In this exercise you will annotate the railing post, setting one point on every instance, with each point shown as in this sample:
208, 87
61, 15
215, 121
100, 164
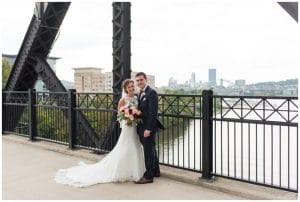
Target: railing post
4, 109
32, 113
72, 118
207, 132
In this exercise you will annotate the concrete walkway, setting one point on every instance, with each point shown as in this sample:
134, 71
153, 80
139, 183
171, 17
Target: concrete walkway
28, 169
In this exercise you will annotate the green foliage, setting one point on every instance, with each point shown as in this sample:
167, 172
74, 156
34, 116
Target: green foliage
97, 109
216, 105
99, 120
6, 69
175, 109
189, 106
183, 92
52, 124
272, 83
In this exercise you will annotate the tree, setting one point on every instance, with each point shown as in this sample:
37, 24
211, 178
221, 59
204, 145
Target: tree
6, 69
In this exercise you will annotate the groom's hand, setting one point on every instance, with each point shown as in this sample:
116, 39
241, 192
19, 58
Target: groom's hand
147, 133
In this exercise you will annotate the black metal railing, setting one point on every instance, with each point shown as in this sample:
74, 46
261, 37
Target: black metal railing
256, 140
14, 103
179, 145
248, 138
97, 108
52, 122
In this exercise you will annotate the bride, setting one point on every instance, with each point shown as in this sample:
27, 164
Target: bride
124, 163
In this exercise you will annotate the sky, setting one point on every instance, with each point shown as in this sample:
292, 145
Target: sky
255, 40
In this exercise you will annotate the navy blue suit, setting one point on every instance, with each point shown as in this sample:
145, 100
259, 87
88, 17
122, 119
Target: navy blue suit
148, 105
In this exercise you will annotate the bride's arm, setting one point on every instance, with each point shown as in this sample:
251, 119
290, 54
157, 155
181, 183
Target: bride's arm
121, 104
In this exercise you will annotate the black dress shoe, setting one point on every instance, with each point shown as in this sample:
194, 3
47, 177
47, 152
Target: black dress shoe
143, 181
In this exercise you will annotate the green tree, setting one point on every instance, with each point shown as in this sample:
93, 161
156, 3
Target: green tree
6, 68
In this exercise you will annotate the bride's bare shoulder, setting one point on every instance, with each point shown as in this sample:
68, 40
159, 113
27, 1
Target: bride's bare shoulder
122, 99
121, 102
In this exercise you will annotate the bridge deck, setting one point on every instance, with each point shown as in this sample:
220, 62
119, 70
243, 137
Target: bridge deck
28, 170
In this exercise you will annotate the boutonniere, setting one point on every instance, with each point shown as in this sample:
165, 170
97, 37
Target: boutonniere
143, 94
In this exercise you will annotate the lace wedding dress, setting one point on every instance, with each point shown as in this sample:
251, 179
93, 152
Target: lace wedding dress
124, 163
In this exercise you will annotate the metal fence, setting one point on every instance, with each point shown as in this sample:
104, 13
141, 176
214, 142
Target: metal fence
179, 145
246, 138
52, 122
14, 104
97, 108
256, 140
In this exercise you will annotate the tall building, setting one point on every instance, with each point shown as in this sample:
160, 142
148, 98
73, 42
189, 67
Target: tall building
212, 77
193, 80
172, 83
39, 85
108, 82
89, 79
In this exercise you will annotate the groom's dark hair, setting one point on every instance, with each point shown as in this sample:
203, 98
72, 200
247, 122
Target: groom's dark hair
141, 74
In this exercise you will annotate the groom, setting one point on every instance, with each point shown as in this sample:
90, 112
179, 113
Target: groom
148, 105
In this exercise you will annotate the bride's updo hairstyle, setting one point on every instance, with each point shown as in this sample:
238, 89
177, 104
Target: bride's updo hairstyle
125, 83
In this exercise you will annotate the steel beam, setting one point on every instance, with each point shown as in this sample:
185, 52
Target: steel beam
31, 60
121, 47
121, 63
291, 8
38, 41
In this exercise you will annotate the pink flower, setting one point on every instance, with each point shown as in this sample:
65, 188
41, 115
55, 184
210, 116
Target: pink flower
123, 108
126, 111
130, 114
134, 111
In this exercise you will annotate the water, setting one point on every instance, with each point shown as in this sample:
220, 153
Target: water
253, 152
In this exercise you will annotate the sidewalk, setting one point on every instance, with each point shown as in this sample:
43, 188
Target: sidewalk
29, 167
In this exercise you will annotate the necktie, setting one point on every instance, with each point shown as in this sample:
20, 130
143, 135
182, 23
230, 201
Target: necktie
141, 94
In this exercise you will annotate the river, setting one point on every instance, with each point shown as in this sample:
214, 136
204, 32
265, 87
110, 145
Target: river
242, 150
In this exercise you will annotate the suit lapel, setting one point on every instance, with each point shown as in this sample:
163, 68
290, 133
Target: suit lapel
139, 99
139, 96
145, 92
142, 97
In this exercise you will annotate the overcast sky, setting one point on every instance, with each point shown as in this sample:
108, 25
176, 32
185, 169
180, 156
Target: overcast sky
255, 40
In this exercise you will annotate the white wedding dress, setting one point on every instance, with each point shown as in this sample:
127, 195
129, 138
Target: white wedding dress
124, 163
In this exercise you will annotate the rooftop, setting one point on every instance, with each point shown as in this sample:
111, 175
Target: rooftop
87, 68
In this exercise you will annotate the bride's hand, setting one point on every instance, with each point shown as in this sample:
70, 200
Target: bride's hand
147, 133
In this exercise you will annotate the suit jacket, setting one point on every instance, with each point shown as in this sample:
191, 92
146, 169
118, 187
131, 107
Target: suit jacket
148, 104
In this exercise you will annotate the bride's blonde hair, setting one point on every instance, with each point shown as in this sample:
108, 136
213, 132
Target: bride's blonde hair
125, 83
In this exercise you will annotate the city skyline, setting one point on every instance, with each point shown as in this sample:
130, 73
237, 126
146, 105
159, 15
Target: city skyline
219, 80
206, 34
238, 87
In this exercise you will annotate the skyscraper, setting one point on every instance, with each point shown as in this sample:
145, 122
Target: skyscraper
212, 77
193, 80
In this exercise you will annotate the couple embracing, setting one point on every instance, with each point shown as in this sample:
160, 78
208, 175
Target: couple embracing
134, 157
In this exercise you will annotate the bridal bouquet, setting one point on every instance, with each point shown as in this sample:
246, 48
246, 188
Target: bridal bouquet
130, 114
